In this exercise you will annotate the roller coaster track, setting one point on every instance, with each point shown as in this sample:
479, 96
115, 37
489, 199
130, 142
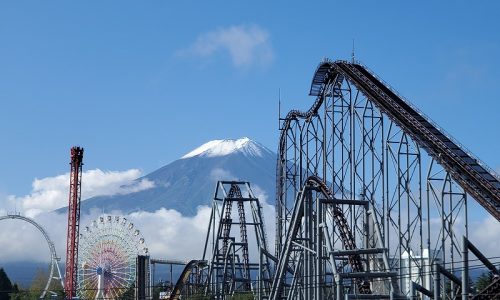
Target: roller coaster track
343, 228
235, 193
226, 223
292, 115
342, 141
230, 268
184, 278
468, 171
243, 235
340, 220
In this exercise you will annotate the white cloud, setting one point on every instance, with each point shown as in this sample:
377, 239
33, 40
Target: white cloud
217, 174
269, 215
52, 192
247, 45
484, 235
169, 234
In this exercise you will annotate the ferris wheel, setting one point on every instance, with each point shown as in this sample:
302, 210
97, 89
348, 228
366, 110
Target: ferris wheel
107, 254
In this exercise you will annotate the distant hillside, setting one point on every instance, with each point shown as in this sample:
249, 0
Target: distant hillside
24, 272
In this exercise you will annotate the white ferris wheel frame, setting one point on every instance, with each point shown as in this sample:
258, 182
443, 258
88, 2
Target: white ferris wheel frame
54, 259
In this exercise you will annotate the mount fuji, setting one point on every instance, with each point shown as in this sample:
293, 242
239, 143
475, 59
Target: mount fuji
190, 181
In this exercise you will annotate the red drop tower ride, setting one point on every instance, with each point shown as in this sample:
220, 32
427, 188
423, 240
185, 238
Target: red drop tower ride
75, 184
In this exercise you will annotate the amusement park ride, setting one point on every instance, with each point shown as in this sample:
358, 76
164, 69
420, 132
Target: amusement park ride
372, 203
107, 258
75, 192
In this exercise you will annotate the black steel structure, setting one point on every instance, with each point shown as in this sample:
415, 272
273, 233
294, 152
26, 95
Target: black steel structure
231, 270
191, 281
371, 194
142, 278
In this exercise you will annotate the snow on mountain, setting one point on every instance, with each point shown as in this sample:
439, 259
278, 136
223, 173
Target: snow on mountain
224, 147
189, 182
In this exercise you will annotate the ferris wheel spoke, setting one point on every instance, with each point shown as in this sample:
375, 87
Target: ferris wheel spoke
116, 293
120, 278
120, 272
119, 264
94, 261
123, 264
126, 277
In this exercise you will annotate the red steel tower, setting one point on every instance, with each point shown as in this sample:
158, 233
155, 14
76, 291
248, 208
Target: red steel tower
75, 184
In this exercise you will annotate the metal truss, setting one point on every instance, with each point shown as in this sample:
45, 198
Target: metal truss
231, 269
320, 258
350, 180
192, 280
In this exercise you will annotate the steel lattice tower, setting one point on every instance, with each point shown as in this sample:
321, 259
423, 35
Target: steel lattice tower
75, 184
230, 266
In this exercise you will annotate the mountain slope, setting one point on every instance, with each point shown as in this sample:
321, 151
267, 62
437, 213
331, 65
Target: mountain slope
188, 182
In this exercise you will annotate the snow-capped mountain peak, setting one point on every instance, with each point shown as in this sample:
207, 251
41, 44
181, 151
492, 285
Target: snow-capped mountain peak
225, 147
187, 183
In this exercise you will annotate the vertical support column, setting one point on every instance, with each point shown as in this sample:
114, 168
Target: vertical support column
153, 267
171, 274
465, 269
446, 201
366, 236
142, 278
308, 279
319, 250
259, 276
340, 287
437, 282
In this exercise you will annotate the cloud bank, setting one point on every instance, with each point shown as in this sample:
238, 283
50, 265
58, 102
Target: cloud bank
51, 193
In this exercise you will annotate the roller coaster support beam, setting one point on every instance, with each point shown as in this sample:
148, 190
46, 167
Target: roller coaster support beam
466, 246
229, 265
438, 271
415, 287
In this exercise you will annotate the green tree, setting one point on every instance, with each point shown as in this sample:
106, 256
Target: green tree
40, 280
23, 295
5, 285
157, 289
15, 295
129, 294
484, 280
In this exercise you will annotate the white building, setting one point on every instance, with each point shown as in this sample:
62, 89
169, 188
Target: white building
417, 268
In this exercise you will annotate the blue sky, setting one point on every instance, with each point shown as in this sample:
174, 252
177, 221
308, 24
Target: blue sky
139, 84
